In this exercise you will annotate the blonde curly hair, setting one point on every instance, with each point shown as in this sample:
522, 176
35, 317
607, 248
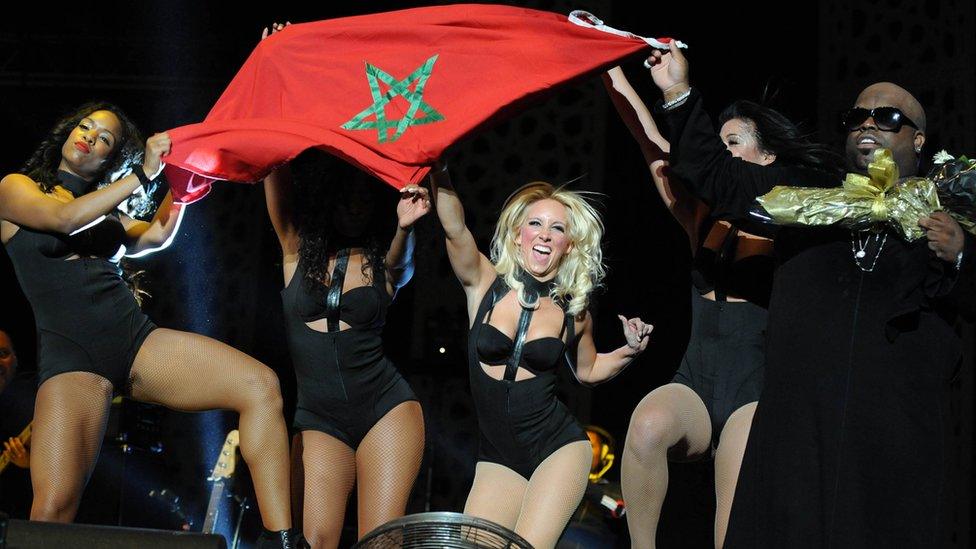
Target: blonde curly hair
580, 271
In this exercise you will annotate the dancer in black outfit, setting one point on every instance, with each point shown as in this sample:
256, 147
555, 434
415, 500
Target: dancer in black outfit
64, 237
846, 448
534, 458
357, 419
707, 408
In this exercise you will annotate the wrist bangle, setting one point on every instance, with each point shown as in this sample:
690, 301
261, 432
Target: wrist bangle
140, 172
677, 100
959, 260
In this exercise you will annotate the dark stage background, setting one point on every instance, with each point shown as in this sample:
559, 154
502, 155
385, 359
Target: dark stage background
167, 62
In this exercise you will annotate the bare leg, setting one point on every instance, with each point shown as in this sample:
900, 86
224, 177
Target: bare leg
192, 372
496, 494
69, 422
670, 422
553, 494
728, 460
330, 472
387, 462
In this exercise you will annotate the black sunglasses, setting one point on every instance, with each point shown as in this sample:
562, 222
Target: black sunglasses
888, 119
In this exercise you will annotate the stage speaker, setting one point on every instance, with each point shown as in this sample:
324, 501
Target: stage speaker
22, 534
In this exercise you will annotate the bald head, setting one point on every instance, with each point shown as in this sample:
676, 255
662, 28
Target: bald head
905, 144
887, 94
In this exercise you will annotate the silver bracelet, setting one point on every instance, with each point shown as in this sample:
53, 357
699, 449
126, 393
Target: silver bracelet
959, 260
677, 100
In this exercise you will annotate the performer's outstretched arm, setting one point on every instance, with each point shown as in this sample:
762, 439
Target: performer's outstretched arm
278, 196
593, 367
686, 209
414, 203
472, 268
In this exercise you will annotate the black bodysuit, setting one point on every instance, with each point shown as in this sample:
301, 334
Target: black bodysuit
345, 382
521, 422
87, 319
724, 360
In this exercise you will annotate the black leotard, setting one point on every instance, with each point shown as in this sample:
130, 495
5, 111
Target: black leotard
87, 319
345, 383
521, 422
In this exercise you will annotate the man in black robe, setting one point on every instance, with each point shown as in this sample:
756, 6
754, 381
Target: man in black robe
846, 448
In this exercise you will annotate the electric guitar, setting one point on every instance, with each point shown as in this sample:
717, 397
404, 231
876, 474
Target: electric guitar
223, 472
24, 437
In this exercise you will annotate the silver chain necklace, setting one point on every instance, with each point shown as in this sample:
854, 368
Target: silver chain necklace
860, 248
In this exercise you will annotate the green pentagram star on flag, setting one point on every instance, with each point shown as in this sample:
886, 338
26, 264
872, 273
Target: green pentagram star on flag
375, 75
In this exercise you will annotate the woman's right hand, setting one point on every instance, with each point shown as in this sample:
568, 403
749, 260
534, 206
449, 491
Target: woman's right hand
156, 146
275, 27
669, 70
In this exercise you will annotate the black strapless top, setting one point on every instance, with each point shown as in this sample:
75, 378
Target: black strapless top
538, 355
362, 307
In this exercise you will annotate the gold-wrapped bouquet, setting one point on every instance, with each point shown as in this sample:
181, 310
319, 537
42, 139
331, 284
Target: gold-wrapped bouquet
864, 202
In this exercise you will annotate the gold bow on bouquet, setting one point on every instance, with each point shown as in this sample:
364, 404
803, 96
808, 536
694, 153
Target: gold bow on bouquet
862, 202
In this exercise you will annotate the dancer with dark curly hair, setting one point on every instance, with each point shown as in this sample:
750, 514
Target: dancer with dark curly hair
357, 420
60, 225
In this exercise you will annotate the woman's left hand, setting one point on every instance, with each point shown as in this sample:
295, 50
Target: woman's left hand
414, 204
637, 333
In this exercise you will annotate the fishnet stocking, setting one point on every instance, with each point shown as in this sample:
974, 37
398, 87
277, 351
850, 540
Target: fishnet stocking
670, 422
387, 462
191, 372
728, 460
553, 494
69, 422
496, 494
330, 472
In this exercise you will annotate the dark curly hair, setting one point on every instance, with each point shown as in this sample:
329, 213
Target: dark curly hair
776, 134
42, 166
321, 184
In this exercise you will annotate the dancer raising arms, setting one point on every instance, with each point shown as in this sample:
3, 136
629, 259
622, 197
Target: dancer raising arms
527, 308
358, 420
707, 408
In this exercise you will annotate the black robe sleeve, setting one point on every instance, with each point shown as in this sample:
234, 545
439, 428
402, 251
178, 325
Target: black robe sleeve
728, 185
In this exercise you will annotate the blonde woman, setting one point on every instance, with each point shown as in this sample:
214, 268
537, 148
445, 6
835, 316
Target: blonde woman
527, 310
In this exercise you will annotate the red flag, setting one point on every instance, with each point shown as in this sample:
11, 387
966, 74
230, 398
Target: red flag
387, 92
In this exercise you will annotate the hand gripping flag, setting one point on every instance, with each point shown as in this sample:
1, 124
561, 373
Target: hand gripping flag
387, 92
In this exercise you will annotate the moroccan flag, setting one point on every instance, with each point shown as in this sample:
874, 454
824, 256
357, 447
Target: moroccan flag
387, 92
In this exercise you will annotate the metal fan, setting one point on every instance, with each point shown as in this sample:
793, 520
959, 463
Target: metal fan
442, 531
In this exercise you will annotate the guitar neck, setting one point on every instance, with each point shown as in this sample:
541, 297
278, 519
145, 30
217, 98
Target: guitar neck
213, 507
24, 437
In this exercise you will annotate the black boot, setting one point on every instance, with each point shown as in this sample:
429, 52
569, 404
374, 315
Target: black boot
281, 539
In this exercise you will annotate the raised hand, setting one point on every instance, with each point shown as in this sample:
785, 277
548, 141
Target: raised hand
637, 332
275, 27
156, 146
669, 70
414, 203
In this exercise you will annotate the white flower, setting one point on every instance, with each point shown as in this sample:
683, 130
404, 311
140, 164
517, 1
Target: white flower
942, 157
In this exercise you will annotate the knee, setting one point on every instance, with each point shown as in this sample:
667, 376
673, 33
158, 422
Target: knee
263, 389
53, 505
651, 430
321, 537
